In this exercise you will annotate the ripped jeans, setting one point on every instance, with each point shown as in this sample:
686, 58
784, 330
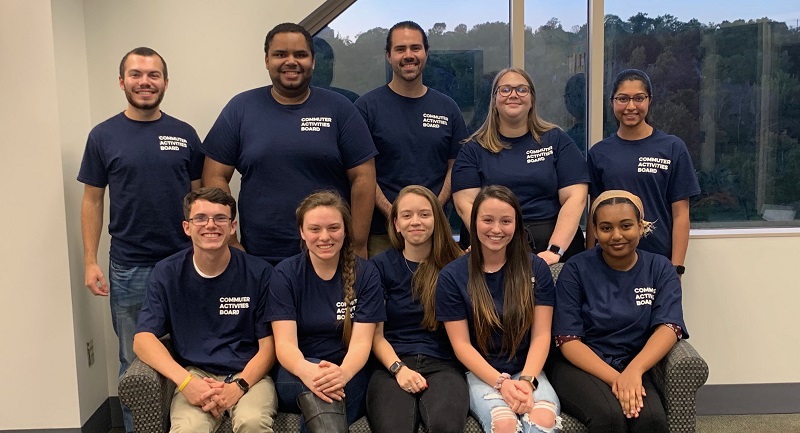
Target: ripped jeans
483, 398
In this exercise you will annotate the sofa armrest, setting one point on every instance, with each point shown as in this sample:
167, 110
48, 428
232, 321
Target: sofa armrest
148, 395
679, 375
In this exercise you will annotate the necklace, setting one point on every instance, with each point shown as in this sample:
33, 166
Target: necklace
405, 260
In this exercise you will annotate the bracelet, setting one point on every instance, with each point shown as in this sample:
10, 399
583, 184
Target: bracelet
500, 380
185, 382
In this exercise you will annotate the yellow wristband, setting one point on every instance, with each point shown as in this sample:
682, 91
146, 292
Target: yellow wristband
185, 382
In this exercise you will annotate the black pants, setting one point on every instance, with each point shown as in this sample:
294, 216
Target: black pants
590, 401
442, 407
540, 231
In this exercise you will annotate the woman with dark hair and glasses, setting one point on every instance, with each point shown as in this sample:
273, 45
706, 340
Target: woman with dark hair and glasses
618, 312
648, 162
535, 159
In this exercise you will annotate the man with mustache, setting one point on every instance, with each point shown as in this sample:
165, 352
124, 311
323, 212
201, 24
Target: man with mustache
416, 129
287, 140
149, 161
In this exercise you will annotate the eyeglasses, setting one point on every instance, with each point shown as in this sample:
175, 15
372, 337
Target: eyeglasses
521, 90
201, 220
625, 99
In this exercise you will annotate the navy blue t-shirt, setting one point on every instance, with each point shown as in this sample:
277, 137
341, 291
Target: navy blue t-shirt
533, 172
403, 328
415, 138
453, 304
284, 153
615, 312
215, 323
658, 169
297, 293
148, 168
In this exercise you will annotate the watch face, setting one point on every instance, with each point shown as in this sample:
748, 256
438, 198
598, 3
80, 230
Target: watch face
242, 384
396, 367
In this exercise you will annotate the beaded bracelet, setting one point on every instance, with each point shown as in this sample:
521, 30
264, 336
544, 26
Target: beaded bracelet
501, 379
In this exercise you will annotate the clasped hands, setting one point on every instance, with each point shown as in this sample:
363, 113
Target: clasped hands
326, 380
518, 395
628, 389
211, 395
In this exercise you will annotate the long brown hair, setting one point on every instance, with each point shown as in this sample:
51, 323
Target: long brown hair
347, 255
488, 135
443, 251
517, 288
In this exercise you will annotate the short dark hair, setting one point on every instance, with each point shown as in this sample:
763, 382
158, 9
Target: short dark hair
406, 25
209, 194
289, 28
142, 51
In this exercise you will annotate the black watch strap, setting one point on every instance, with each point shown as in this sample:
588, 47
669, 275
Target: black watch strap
396, 366
242, 384
680, 269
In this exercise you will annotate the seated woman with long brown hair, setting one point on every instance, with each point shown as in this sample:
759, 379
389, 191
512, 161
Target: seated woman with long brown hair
497, 306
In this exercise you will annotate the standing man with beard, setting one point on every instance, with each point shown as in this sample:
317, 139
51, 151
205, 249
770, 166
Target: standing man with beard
288, 140
149, 161
417, 130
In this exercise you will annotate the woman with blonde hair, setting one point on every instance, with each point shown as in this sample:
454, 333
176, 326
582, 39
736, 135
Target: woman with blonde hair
324, 304
535, 159
422, 381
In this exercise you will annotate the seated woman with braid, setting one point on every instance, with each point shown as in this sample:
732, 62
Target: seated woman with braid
324, 304
618, 312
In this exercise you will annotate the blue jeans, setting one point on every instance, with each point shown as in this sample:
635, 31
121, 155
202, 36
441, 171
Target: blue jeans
483, 398
127, 288
289, 386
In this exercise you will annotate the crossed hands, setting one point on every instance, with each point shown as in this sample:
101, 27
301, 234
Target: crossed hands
518, 395
326, 380
211, 395
628, 389
411, 381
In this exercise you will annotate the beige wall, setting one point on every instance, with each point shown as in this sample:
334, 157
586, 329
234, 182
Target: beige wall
740, 298
59, 78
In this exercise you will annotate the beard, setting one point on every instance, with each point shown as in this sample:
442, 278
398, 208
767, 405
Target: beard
149, 105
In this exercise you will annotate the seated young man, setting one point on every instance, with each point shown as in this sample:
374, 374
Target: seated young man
211, 299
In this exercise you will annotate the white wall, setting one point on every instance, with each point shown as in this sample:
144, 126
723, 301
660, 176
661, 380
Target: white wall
59, 75
36, 323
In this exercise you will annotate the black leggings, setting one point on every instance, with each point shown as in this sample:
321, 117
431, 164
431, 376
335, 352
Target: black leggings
539, 233
590, 401
442, 407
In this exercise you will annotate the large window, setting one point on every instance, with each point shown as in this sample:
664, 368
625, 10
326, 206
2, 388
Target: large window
556, 42
469, 42
725, 81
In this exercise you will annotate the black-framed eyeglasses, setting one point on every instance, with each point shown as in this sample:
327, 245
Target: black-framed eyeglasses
521, 90
201, 220
625, 99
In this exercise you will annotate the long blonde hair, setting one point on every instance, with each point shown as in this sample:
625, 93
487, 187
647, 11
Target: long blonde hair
518, 299
488, 135
347, 255
443, 251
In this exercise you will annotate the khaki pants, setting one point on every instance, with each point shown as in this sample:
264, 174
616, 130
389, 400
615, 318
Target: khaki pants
254, 412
